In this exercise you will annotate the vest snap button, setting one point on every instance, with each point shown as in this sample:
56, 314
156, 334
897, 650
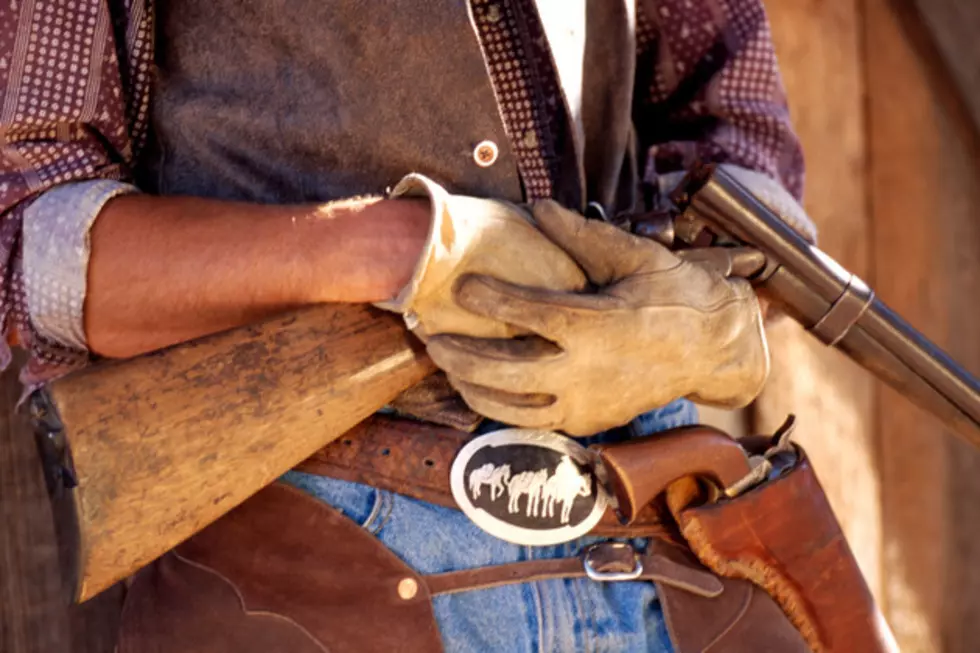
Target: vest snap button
407, 588
485, 154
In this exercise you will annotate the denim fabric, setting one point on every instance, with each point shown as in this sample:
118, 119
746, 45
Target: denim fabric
557, 616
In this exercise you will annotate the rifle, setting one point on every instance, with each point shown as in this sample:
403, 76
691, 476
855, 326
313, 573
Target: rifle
142, 454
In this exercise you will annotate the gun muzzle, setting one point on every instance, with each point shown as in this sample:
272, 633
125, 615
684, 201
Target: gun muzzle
830, 302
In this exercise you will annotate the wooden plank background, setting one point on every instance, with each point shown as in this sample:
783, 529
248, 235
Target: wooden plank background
818, 42
955, 25
926, 197
894, 185
33, 616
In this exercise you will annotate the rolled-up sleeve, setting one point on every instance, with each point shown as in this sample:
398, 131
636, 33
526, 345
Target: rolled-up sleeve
56, 253
73, 110
709, 90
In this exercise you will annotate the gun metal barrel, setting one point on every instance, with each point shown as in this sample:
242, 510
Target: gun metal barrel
830, 302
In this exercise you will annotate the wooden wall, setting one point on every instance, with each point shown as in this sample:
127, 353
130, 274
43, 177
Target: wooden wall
955, 25
32, 598
894, 185
818, 42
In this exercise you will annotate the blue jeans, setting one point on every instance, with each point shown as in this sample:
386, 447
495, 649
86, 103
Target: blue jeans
556, 616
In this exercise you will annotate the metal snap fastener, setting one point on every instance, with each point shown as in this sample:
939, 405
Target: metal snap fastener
408, 588
485, 154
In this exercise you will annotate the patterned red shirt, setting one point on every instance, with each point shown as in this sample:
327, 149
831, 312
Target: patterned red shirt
76, 79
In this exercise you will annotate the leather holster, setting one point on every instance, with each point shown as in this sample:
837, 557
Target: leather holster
782, 536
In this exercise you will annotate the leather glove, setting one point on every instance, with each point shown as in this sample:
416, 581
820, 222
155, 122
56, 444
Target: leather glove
657, 328
472, 235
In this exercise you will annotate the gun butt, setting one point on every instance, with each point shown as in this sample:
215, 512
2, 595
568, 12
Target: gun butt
151, 450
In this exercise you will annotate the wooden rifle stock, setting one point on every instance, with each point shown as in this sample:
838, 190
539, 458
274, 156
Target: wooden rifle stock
160, 446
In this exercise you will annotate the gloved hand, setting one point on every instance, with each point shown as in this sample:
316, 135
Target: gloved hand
658, 328
472, 235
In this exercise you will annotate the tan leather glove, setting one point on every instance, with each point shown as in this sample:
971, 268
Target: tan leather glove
472, 235
658, 328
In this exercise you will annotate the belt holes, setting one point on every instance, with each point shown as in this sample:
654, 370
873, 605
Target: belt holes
385, 452
348, 442
429, 463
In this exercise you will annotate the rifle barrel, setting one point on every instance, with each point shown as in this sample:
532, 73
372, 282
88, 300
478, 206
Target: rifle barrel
834, 304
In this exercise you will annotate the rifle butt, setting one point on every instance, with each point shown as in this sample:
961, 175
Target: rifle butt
160, 446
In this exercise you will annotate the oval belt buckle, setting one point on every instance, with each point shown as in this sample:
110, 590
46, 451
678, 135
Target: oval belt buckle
529, 487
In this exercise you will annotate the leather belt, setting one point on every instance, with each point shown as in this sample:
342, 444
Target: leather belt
602, 562
414, 459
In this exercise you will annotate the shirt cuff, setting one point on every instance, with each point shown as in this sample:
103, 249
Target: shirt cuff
766, 189
56, 250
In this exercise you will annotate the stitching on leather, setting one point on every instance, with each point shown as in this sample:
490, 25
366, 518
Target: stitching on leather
525, 580
563, 574
702, 309
690, 588
738, 617
375, 509
759, 575
241, 600
388, 507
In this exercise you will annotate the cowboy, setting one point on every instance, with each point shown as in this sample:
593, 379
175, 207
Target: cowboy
174, 169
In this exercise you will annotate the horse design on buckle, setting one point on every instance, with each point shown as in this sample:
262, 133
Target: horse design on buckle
528, 487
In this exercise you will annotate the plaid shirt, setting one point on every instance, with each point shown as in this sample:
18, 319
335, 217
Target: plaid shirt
76, 78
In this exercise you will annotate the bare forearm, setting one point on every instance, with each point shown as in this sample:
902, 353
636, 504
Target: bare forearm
169, 269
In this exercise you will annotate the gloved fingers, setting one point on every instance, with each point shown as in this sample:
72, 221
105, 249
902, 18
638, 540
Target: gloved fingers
743, 289
533, 411
545, 312
516, 350
605, 252
727, 261
514, 365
